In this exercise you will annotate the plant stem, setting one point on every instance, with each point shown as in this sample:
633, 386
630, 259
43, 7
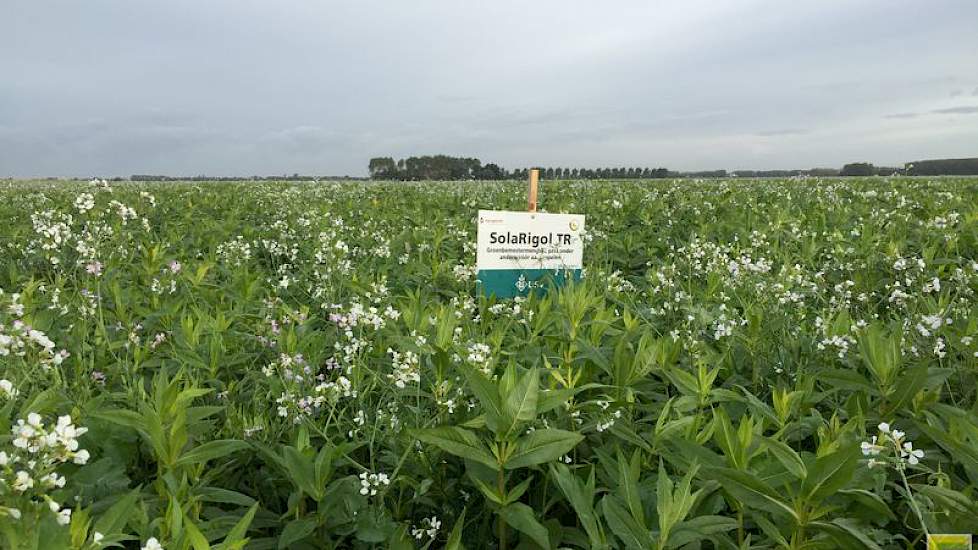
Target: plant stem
501, 484
913, 501
740, 526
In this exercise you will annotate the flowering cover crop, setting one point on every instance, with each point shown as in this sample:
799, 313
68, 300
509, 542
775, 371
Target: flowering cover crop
745, 364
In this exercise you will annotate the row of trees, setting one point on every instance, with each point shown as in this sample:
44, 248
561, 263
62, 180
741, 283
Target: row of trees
943, 167
443, 167
436, 167
867, 169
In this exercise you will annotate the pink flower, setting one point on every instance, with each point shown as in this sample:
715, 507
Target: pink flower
94, 268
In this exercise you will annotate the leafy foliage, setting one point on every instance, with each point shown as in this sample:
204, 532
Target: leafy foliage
747, 364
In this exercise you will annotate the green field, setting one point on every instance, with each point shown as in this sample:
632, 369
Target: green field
746, 364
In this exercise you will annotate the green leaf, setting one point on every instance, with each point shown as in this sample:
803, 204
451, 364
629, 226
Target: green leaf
873, 502
301, 471
846, 380
459, 442
520, 517
699, 528
551, 399
847, 535
487, 394
296, 531
122, 417
830, 473
750, 490
455, 537
115, 518
210, 450
787, 457
906, 387
881, 352
238, 533
771, 530
541, 446
520, 405
490, 492
581, 498
629, 473
514, 494
224, 496
197, 539
624, 526
963, 453
949, 499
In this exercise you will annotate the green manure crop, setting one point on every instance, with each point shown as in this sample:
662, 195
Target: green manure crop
745, 364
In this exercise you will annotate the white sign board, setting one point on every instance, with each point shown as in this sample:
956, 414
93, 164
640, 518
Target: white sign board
517, 247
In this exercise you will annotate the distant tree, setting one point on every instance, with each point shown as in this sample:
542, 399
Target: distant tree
824, 172
858, 169
382, 168
490, 172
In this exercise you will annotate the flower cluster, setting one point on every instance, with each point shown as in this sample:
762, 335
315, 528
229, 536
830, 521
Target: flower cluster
19, 339
29, 470
890, 447
429, 528
369, 483
407, 368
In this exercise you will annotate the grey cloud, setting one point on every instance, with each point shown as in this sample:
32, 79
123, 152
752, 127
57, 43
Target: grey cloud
963, 110
224, 87
784, 132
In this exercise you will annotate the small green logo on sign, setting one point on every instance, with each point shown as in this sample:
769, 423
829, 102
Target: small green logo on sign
523, 252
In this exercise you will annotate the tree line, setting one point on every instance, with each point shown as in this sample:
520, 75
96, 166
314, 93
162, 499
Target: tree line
444, 167
943, 167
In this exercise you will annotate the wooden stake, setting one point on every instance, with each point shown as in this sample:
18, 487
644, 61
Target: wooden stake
531, 193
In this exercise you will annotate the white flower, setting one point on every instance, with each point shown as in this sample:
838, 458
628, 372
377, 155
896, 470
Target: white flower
23, 481
94, 268
7, 389
152, 544
81, 457
64, 516
97, 538
871, 448
884, 427
913, 456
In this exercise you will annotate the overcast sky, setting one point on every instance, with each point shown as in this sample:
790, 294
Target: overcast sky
233, 87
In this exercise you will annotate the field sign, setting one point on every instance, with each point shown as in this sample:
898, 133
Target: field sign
524, 251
